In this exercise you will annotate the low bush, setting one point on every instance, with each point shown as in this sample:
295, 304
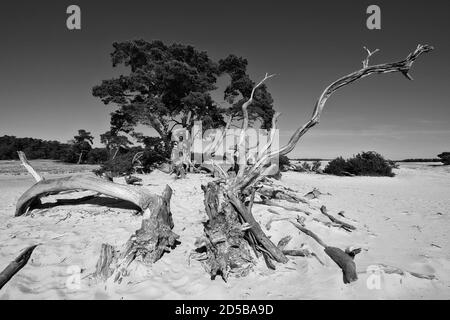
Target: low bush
363, 164
283, 162
445, 158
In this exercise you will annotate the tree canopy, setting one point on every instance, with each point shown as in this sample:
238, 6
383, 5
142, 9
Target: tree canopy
170, 85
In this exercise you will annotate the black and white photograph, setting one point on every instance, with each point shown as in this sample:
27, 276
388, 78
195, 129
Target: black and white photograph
218, 151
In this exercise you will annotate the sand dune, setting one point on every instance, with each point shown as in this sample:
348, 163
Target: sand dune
401, 221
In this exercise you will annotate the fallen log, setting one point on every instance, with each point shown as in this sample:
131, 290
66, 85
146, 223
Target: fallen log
134, 194
345, 260
271, 203
147, 245
16, 265
343, 224
280, 194
394, 270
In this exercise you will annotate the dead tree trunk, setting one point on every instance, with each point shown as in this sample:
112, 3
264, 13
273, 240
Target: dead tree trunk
16, 265
147, 245
231, 229
134, 194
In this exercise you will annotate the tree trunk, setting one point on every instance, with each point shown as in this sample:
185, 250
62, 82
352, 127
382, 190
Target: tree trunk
147, 245
134, 194
226, 250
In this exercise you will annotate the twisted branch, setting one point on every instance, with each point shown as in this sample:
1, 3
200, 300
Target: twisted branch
402, 66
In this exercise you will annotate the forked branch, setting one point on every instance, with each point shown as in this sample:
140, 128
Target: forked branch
241, 143
402, 66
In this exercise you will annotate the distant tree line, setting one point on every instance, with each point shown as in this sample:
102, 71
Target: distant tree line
77, 150
420, 160
118, 156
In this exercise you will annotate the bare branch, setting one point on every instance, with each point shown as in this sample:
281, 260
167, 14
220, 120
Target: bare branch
402, 66
369, 54
272, 134
27, 165
245, 125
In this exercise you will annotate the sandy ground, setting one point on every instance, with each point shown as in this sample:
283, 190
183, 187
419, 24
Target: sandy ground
402, 221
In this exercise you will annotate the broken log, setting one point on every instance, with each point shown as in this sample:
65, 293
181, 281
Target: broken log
16, 265
343, 224
271, 203
394, 270
343, 259
147, 245
280, 194
134, 194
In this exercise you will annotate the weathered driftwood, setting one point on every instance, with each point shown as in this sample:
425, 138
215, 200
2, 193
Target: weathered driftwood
271, 203
346, 226
394, 270
133, 180
146, 245
16, 265
134, 194
280, 194
226, 250
27, 165
345, 260
227, 239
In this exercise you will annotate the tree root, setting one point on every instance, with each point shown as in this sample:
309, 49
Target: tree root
147, 245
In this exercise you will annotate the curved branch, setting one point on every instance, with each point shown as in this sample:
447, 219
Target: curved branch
27, 165
402, 66
134, 194
245, 126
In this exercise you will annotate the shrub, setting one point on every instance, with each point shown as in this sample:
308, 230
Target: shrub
97, 156
284, 162
121, 165
363, 164
445, 158
337, 167
306, 166
316, 166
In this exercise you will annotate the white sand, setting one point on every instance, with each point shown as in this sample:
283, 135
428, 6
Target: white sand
397, 220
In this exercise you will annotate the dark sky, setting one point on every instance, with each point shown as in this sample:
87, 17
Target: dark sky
47, 71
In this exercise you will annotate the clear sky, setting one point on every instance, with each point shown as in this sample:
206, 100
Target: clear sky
47, 71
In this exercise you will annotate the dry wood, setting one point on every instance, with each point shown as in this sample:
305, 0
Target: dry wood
134, 194
280, 194
268, 202
402, 66
27, 165
133, 180
275, 253
225, 246
394, 270
147, 245
16, 265
284, 242
343, 259
343, 224
225, 232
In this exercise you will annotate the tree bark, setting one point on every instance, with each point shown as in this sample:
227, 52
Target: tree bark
147, 245
16, 265
134, 194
